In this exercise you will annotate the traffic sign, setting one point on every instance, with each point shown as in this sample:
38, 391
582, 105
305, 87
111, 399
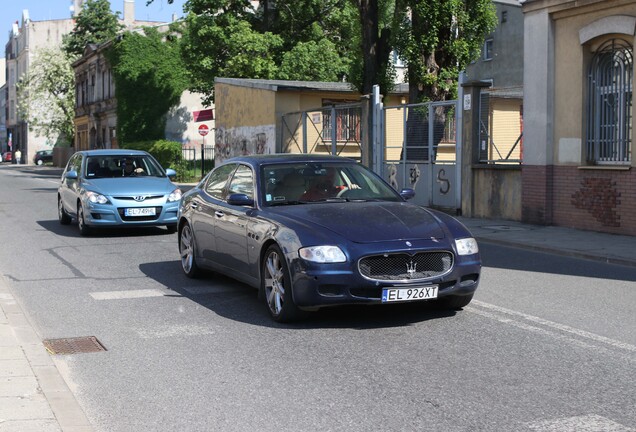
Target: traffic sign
203, 130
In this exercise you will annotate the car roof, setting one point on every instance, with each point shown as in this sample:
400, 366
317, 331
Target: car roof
279, 158
113, 152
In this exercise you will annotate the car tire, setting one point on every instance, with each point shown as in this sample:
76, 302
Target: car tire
81, 221
187, 251
276, 286
454, 302
64, 218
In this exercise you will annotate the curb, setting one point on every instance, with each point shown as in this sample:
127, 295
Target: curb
45, 401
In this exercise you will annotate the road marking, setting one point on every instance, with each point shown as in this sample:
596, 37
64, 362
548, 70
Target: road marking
550, 324
118, 295
586, 423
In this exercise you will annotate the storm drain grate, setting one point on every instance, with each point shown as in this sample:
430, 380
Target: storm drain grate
78, 345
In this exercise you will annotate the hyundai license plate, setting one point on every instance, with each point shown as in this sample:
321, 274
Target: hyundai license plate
409, 294
146, 211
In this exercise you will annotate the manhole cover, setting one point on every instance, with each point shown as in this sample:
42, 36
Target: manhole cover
76, 345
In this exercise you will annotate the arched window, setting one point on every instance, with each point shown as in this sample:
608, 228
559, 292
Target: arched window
609, 110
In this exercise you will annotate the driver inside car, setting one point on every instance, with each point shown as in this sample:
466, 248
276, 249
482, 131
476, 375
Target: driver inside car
322, 187
130, 169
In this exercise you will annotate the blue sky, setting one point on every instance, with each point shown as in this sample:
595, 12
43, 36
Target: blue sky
40, 10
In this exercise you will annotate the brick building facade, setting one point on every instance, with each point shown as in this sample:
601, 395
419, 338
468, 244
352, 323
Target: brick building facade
578, 167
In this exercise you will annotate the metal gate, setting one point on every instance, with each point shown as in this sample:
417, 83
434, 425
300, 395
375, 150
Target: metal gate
414, 146
333, 129
420, 149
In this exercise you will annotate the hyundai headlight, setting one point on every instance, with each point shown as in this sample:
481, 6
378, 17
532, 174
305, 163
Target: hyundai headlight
95, 198
175, 195
322, 254
466, 246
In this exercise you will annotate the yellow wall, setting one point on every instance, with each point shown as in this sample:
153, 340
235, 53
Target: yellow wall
570, 68
245, 121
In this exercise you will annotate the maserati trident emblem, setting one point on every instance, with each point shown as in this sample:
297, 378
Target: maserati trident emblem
410, 269
139, 198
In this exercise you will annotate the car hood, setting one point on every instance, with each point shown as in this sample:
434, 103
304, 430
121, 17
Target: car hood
367, 222
130, 186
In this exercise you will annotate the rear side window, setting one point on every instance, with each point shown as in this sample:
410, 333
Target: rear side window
218, 179
242, 182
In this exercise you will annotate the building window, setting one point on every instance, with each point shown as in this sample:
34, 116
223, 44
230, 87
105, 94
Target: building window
504, 16
347, 124
488, 49
609, 108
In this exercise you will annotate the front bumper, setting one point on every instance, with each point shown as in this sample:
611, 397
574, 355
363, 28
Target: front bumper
108, 215
316, 286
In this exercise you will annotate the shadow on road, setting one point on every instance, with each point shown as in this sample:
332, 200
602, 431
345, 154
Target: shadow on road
71, 230
234, 300
510, 258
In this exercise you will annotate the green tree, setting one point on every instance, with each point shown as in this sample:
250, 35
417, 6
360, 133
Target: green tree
94, 24
149, 80
46, 95
312, 61
225, 45
437, 39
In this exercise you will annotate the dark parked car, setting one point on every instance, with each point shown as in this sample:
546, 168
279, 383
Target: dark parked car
314, 231
117, 188
43, 156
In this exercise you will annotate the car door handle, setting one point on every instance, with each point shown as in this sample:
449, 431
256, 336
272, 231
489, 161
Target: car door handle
194, 206
219, 214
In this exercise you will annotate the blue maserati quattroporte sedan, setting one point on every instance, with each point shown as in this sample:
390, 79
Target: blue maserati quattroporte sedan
314, 231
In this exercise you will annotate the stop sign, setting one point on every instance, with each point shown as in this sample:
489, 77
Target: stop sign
203, 130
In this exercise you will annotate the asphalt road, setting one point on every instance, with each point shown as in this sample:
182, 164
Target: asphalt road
548, 344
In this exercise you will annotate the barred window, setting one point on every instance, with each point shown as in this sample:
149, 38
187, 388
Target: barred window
347, 124
609, 108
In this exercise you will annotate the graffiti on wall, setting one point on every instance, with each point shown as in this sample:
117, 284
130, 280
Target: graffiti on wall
600, 198
243, 141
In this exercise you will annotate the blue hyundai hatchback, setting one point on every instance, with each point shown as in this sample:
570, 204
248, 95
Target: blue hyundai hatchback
313, 231
117, 188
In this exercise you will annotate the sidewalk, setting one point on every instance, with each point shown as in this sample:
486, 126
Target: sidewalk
609, 248
33, 395
35, 398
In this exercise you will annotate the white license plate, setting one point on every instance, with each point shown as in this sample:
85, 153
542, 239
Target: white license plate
409, 294
149, 211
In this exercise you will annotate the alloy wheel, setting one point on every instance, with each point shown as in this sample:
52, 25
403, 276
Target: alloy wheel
186, 250
274, 283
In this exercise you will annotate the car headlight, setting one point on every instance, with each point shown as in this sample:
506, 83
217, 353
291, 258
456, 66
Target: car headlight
175, 195
322, 254
466, 246
95, 198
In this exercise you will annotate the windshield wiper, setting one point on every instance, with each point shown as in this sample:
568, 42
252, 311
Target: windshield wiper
281, 203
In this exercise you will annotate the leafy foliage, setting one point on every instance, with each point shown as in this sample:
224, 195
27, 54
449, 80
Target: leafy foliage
94, 24
437, 40
325, 40
312, 61
46, 95
149, 79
